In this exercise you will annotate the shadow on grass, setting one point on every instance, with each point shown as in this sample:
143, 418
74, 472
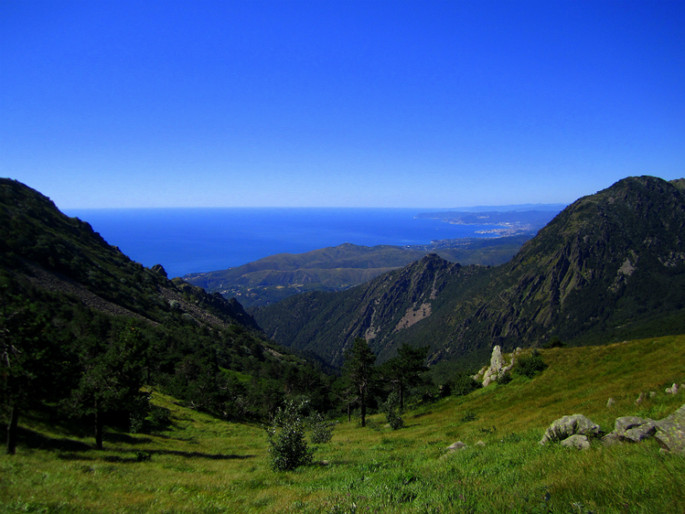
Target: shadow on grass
200, 455
74, 450
144, 455
37, 440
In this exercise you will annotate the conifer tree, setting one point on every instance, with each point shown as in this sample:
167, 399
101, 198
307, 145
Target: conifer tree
404, 370
359, 370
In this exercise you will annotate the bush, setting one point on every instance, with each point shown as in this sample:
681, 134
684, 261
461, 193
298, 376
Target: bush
530, 365
554, 342
463, 384
504, 379
288, 447
391, 409
322, 430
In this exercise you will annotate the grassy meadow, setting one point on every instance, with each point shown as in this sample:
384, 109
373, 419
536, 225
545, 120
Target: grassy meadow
201, 464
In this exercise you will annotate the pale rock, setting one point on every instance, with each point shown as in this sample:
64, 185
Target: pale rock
670, 431
673, 389
633, 429
498, 365
577, 441
567, 426
456, 446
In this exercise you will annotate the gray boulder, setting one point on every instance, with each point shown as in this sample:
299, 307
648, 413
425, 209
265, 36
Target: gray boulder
456, 446
630, 429
670, 431
567, 426
577, 441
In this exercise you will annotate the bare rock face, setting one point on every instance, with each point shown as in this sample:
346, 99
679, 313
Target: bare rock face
565, 427
498, 366
670, 431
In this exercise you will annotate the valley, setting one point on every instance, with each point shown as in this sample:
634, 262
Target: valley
199, 463
126, 391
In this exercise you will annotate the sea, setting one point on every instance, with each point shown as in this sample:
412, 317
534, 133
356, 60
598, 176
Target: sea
193, 240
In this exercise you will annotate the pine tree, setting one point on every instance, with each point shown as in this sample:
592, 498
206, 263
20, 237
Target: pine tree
359, 370
404, 370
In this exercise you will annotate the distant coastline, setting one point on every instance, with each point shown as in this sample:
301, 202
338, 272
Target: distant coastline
191, 240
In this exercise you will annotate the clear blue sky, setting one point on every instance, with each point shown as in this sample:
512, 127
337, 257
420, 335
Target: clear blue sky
338, 103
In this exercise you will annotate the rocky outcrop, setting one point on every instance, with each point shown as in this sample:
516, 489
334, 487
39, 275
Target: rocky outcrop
630, 429
564, 428
573, 431
670, 431
498, 367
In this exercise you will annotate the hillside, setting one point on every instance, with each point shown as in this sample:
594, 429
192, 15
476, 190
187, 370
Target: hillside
84, 326
608, 267
276, 277
197, 463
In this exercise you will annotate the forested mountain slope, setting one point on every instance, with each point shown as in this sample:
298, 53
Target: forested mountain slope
609, 266
83, 327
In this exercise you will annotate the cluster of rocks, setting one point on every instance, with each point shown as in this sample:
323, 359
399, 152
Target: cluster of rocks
575, 431
498, 367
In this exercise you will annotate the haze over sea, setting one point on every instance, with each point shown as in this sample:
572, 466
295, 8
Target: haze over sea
187, 240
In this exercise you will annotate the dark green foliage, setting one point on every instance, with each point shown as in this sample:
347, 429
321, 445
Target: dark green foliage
405, 371
554, 342
321, 429
84, 328
391, 407
504, 379
287, 444
112, 375
530, 365
461, 385
360, 372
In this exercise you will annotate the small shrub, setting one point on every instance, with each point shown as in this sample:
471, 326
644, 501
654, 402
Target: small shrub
463, 384
504, 379
391, 409
554, 342
531, 365
288, 447
321, 429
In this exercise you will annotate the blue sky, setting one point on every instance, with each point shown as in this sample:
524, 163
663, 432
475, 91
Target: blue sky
338, 103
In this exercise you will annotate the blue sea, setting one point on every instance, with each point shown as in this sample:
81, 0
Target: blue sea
195, 240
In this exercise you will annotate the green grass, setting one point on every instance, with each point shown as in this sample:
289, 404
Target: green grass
205, 465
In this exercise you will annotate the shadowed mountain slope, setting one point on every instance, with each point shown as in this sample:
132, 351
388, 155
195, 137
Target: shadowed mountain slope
609, 266
196, 345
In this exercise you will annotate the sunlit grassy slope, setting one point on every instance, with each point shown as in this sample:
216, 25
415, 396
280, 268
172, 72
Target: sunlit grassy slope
204, 465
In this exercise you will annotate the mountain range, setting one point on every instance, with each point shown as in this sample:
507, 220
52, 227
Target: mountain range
276, 277
608, 267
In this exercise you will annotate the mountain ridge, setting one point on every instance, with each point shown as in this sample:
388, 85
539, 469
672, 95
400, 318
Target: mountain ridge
337, 268
609, 263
